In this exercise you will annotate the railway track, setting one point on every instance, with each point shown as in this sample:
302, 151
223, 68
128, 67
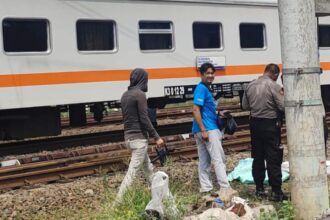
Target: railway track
61, 142
166, 113
65, 165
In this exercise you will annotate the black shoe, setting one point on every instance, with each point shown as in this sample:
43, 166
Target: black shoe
278, 196
261, 194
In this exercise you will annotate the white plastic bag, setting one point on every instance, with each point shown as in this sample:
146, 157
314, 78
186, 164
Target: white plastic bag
162, 199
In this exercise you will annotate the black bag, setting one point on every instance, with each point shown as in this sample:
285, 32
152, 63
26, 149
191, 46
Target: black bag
221, 122
228, 123
231, 126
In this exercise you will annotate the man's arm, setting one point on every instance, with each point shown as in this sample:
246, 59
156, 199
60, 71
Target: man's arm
198, 118
278, 97
245, 101
143, 114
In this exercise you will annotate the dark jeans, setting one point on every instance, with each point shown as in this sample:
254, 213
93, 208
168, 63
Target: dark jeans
265, 141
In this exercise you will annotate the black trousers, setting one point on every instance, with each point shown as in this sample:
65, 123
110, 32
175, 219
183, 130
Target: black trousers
265, 141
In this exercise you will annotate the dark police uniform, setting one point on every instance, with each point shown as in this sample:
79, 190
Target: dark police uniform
262, 97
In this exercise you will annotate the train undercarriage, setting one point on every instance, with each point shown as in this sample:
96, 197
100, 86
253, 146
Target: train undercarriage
17, 124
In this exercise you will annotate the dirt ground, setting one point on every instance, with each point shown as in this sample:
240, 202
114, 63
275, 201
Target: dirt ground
81, 197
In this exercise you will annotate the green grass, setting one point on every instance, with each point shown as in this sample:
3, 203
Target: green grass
139, 195
184, 185
185, 188
284, 211
132, 207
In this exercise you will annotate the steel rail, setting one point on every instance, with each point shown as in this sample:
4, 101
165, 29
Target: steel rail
63, 169
61, 142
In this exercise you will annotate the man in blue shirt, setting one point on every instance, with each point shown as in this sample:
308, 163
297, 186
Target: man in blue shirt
207, 134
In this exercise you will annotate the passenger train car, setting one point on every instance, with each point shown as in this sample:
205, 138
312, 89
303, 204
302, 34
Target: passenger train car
61, 55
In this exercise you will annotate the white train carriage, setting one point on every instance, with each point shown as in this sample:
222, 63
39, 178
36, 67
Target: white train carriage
71, 53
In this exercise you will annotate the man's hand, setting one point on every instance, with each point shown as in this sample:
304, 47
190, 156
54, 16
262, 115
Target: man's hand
205, 136
281, 91
224, 113
159, 142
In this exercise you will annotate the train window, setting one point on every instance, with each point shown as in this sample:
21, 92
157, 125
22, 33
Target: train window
95, 35
35, 34
252, 36
207, 35
156, 35
324, 36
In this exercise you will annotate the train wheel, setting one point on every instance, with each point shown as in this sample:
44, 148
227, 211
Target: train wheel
98, 116
98, 109
77, 113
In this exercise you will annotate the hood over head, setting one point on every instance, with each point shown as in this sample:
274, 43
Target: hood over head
139, 80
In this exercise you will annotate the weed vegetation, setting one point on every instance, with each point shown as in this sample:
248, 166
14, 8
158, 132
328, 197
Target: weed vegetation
185, 188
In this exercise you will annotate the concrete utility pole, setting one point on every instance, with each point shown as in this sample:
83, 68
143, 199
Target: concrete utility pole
303, 108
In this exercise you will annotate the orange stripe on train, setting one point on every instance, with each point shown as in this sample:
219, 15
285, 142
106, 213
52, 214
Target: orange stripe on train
51, 78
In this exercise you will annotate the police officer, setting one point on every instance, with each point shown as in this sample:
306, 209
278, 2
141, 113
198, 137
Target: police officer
264, 98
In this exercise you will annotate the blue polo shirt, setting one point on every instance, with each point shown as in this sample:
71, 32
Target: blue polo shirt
204, 98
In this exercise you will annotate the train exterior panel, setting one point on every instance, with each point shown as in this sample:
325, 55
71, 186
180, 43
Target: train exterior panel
64, 75
61, 73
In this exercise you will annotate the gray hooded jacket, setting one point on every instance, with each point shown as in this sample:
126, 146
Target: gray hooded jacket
137, 124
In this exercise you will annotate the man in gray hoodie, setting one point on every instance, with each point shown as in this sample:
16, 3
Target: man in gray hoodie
137, 128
